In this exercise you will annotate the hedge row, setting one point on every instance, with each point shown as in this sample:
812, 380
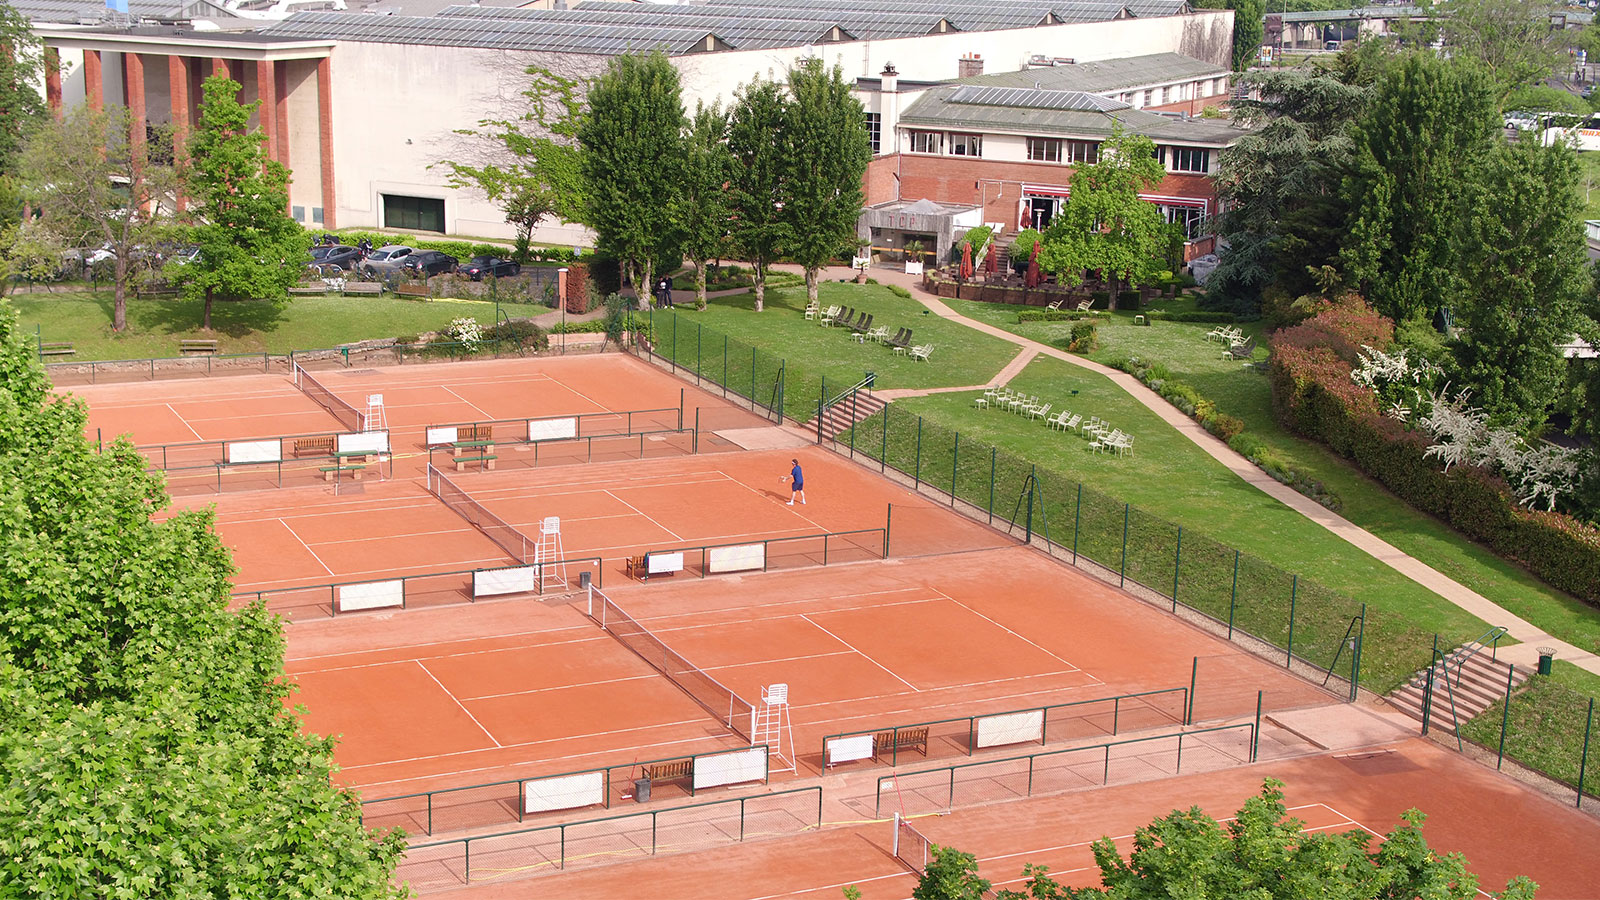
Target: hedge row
1059, 315
462, 250
1203, 316
1313, 395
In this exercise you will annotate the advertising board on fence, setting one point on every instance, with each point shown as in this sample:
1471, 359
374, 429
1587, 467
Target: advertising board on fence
739, 558
1011, 728
253, 451
441, 437
730, 768
371, 595
564, 792
364, 442
552, 429
513, 580
849, 749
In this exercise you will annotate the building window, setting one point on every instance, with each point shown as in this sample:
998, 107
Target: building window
1191, 159
413, 213
875, 132
1191, 220
1082, 152
1222, 85
1044, 149
927, 142
1149, 98
966, 145
1205, 88
316, 214
298, 213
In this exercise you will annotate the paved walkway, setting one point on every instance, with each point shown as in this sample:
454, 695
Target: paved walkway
1531, 637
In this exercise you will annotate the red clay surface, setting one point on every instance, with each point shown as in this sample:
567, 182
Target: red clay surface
1502, 828
170, 412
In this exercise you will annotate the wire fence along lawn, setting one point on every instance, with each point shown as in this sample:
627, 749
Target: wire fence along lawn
1244, 597
1545, 726
738, 369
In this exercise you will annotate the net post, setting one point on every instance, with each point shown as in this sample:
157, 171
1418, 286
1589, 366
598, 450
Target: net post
888, 519
1255, 732
682, 401
1355, 664
897, 835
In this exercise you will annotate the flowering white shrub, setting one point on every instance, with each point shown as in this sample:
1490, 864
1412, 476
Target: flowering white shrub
1401, 384
1539, 475
465, 331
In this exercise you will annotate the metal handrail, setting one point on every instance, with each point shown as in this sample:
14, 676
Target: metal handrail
1343, 642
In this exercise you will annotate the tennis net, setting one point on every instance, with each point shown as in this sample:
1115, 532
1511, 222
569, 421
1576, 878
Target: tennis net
911, 846
737, 713
495, 528
347, 415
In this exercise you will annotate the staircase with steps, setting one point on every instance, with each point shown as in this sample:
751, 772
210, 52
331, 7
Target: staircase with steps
845, 413
1476, 682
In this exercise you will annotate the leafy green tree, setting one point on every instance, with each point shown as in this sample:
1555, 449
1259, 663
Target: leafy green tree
145, 739
249, 247
633, 162
702, 213
1544, 98
21, 70
95, 188
1429, 123
528, 162
1512, 39
1522, 256
1104, 224
760, 230
828, 151
950, 875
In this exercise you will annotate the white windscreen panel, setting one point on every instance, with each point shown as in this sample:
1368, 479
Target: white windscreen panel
741, 558
847, 749
252, 451
565, 792
1011, 728
515, 580
372, 595
730, 768
439, 437
662, 563
552, 429
364, 442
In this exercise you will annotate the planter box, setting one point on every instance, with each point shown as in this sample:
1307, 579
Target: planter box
948, 288
913, 268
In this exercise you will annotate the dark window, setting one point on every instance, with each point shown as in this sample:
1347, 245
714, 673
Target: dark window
414, 213
1085, 152
299, 213
1044, 149
316, 214
875, 132
1191, 159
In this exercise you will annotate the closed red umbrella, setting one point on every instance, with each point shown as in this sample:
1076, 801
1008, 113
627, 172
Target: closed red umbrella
1033, 267
1024, 214
966, 261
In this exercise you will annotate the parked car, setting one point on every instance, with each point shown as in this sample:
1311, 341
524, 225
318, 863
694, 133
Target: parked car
384, 260
481, 267
336, 255
429, 262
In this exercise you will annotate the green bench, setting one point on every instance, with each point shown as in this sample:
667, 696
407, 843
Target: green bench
487, 461
57, 348
329, 473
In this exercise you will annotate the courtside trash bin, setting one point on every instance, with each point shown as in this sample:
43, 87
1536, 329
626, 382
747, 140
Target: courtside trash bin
1546, 655
641, 790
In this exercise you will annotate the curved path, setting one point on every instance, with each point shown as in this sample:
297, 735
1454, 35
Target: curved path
1530, 635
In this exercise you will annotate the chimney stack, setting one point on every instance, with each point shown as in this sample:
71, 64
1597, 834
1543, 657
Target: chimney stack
969, 65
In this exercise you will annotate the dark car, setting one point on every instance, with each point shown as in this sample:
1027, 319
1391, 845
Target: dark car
429, 262
336, 255
480, 267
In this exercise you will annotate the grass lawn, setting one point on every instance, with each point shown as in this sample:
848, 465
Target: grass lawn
302, 323
961, 356
1211, 501
1545, 730
1183, 349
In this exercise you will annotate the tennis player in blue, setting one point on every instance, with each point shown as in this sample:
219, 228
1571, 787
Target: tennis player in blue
797, 483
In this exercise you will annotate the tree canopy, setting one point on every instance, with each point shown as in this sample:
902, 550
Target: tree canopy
758, 188
702, 213
827, 151
21, 70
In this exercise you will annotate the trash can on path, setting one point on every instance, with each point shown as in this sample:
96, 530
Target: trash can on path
641, 790
1546, 654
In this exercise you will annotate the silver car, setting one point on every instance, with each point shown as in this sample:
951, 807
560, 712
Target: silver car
385, 260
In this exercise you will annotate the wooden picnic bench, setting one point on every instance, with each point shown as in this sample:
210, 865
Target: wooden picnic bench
373, 288
57, 348
329, 473
888, 743
676, 770
309, 290
485, 461
314, 446
197, 345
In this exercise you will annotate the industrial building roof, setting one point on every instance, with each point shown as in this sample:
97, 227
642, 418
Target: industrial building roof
1107, 75
85, 11
975, 107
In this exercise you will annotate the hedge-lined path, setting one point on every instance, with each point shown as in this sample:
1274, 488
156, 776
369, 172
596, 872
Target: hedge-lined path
1531, 636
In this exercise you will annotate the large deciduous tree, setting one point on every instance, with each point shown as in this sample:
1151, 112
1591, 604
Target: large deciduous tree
828, 151
633, 162
1104, 224
95, 188
249, 247
702, 213
21, 66
1521, 249
1429, 123
527, 162
146, 744
760, 229
1512, 39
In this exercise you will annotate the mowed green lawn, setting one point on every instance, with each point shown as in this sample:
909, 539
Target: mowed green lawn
961, 356
1184, 350
254, 326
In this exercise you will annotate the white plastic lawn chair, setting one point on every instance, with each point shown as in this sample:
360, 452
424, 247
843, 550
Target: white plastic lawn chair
922, 352
1039, 412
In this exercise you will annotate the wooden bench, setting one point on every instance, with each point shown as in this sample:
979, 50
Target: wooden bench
309, 290
419, 289
154, 290
888, 743
486, 461
677, 770
197, 346
473, 433
57, 348
373, 288
331, 472
314, 446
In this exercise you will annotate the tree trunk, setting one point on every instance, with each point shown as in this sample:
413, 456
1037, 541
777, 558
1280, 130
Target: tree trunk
119, 305
759, 277
700, 284
811, 283
205, 318
646, 288
1112, 282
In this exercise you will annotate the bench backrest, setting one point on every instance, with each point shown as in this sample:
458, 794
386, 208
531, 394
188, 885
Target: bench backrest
682, 768
312, 444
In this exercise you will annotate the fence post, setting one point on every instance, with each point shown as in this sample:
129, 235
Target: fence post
1122, 575
694, 445
1177, 560
992, 452
888, 520
822, 404
1194, 676
1033, 484
883, 452
1077, 519
699, 333
1255, 733
1583, 762
1355, 665
1294, 593
1505, 721
916, 476
955, 460
1233, 598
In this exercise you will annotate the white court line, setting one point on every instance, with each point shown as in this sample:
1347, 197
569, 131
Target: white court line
863, 655
1019, 637
184, 421
296, 535
648, 518
388, 648
457, 701
475, 406
651, 676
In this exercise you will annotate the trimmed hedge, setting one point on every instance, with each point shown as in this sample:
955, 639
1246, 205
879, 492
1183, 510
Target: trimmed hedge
1058, 315
1205, 317
1312, 395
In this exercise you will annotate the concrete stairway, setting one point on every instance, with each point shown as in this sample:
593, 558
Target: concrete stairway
844, 414
1476, 681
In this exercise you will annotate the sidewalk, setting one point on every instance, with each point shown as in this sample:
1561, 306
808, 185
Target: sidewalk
1530, 636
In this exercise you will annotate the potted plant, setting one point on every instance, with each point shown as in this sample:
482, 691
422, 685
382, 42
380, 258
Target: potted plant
913, 257
862, 260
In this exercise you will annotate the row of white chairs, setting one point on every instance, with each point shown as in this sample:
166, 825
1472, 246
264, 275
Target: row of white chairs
1102, 436
1228, 335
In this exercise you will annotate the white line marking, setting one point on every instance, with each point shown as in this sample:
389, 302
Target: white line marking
184, 421
646, 517
457, 701
287, 527
451, 391
863, 655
